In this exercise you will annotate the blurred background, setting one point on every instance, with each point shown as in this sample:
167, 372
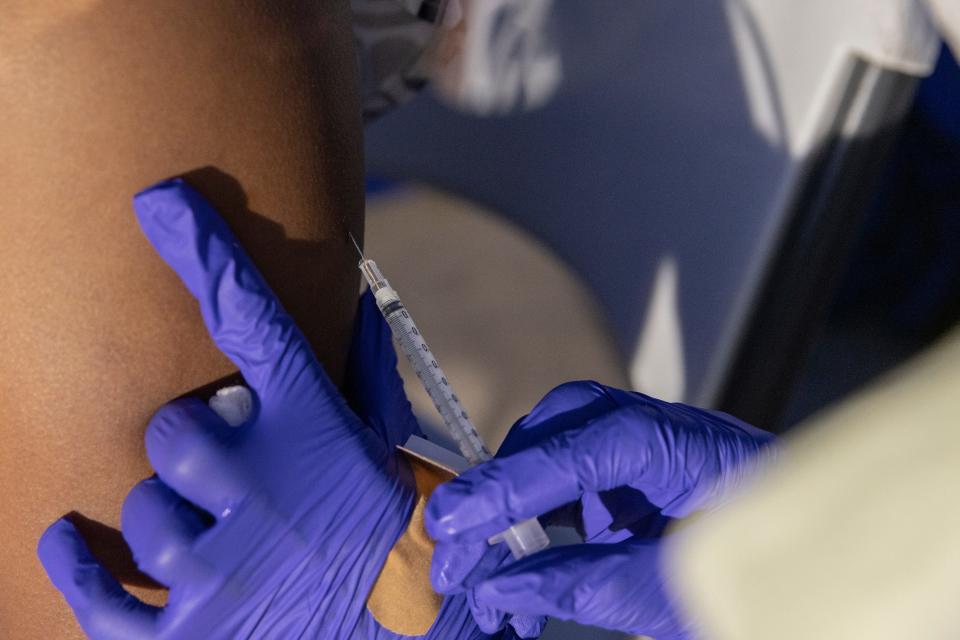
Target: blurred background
750, 205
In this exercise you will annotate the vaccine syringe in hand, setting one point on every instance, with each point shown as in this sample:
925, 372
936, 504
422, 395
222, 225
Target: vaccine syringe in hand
523, 538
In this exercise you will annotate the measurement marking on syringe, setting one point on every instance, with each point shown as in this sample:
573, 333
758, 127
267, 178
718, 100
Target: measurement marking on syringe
524, 538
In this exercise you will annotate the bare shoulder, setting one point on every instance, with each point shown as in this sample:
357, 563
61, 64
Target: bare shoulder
98, 99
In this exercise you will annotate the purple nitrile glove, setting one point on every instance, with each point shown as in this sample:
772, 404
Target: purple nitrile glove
308, 496
617, 465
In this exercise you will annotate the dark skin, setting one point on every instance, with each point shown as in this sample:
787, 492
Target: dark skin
255, 103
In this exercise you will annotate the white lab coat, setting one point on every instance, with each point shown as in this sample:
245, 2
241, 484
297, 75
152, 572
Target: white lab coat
856, 532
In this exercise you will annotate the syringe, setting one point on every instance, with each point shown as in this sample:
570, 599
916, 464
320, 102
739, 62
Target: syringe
523, 538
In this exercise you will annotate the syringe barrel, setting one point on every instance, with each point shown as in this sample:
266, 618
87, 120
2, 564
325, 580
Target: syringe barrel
425, 365
523, 538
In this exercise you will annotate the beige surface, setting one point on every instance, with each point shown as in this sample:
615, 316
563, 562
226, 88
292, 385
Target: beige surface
855, 534
508, 320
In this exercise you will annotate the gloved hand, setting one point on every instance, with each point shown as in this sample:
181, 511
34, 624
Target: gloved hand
307, 497
616, 464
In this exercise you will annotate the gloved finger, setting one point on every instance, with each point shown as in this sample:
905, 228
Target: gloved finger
457, 568
454, 564
372, 385
242, 314
488, 618
622, 512
631, 445
568, 406
189, 446
615, 586
160, 527
104, 610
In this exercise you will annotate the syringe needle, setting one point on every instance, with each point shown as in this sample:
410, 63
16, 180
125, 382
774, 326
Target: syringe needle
354, 240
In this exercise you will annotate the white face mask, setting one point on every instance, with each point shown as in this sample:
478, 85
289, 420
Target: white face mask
485, 57
506, 61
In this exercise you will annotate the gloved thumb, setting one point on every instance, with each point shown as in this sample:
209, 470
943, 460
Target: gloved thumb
372, 386
616, 586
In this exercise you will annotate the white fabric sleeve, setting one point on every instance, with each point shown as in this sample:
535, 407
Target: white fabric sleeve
946, 15
853, 534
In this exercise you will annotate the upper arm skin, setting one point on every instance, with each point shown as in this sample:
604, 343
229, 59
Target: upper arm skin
99, 99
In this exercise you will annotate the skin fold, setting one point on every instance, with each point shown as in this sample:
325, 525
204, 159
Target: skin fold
255, 103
